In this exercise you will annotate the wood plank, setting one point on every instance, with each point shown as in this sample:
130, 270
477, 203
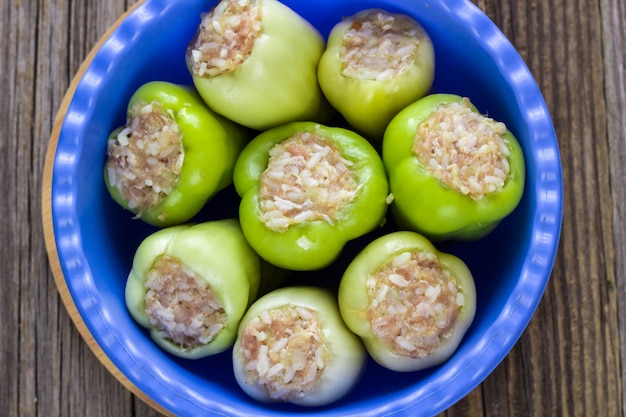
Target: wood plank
613, 14
18, 156
9, 282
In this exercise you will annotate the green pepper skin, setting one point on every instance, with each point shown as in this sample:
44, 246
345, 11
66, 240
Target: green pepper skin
277, 83
421, 203
347, 353
211, 145
354, 299
369, 105
216, 251
325, 240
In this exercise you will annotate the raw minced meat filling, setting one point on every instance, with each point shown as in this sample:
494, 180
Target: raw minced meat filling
413, 304
181, 305
284, 352
464, 150
379, 46
226, 37
307, 179
146, 158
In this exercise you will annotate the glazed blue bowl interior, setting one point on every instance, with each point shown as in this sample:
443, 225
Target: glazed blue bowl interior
96, 239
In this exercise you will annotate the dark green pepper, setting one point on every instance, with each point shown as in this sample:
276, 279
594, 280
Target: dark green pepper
409, 303
172, 156
375, 64
454, 173
191, 285
255, 62
306, 190
292, 346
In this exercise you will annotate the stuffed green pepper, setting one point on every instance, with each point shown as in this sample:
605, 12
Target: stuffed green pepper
172, 155
255, 62
307, 189
293, 347
190, 285
454, 173
410, 304
375, 64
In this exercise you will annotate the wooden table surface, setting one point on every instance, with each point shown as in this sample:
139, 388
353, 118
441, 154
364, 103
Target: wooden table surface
569, 362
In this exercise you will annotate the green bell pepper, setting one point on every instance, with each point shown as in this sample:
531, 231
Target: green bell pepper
292, 346
255, 62
172, 156
409, 303
190, 285
375, 64
453, 173
301, 203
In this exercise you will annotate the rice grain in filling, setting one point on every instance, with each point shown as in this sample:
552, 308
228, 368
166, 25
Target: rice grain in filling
284, 352
464, 150
413, 304
379, 46
226, 37
145, 160
181, 305
307, 179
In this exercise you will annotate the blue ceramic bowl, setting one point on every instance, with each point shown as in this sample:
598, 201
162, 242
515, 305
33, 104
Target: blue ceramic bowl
91, 240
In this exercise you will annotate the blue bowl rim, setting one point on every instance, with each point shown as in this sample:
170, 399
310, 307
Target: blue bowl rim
66, 257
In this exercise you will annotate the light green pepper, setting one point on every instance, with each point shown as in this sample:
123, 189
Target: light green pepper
173, 155
291, 211
292, 346
409, 303
255, 62
432, 194
375, 64
191, 285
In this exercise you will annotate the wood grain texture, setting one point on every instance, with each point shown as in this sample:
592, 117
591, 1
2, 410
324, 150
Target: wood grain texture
614, 51
567, 363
